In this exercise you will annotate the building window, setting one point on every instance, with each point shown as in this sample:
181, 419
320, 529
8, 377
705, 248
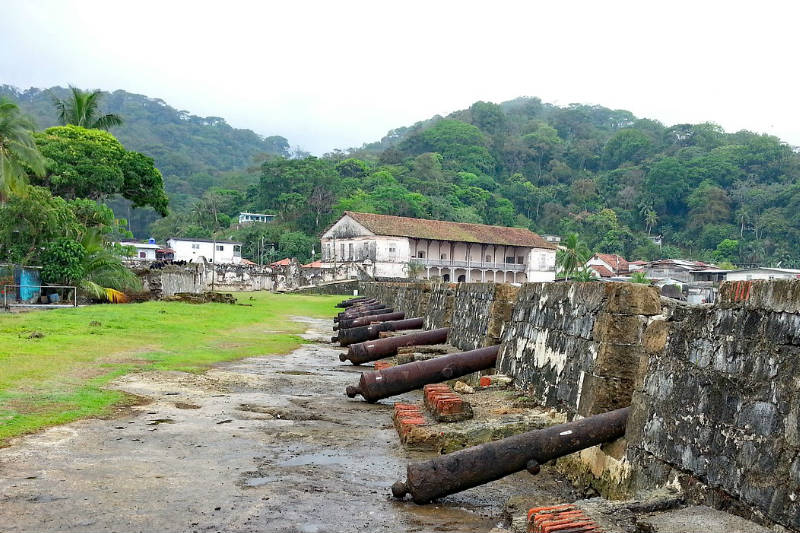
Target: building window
142, 255
421, 255
392, 248
195, 246
342, 252
520, 259
237, 250
443, 257
488, 258
510, 260
350, 251
220, 247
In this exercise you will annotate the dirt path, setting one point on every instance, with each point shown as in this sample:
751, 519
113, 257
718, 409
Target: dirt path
264, 444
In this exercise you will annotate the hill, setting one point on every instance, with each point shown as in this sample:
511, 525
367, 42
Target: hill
613, 178
193, 153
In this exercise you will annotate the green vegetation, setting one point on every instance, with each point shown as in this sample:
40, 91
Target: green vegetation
60, 376
18, 151
80, 109
610, 177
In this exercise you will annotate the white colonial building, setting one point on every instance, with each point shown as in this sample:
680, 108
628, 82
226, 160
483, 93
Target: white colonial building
399, 247
143, 251
212, 251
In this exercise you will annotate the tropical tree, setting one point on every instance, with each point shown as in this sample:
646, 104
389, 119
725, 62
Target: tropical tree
18, 152
572, 256
639, 277
650, 220
80, 109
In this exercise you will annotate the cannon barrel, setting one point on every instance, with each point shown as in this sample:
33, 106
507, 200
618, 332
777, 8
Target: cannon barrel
368, 307
380, 348
487, 462
367, 320
374, 386
365, 333
352, 301
359, 314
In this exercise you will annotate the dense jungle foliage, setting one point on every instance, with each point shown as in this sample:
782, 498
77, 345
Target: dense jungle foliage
610, 177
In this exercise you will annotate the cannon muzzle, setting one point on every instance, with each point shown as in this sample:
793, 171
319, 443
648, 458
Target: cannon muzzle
369, 319
352, 301
365, 333
373, 350
360, 314
368, 307
379, 384
487, 462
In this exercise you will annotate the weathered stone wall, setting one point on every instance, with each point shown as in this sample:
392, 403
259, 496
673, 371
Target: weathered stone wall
578, 346
440, 305
345, 288
718, 409
482, 310
411, 298
163, 280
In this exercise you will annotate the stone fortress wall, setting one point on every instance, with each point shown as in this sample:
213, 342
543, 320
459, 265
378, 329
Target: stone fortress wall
714, 389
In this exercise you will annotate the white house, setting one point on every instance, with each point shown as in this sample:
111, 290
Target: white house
144, 251
745, 274
390, 246
254, 217
213, 251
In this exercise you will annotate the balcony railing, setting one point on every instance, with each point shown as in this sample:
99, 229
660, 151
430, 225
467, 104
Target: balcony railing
470, 264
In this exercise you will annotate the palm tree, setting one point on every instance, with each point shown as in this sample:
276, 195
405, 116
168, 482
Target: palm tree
572, 256
80, 109
18, 152
650, 219
104, 274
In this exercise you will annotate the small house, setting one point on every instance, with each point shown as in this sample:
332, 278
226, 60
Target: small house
209, 250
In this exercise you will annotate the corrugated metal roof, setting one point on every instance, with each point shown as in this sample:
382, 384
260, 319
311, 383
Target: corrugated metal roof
440, 230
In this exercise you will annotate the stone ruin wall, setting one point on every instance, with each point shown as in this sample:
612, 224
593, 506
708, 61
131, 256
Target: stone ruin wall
163, 280
714, 389
717, 409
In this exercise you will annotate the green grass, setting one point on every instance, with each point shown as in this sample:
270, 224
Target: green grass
60, 377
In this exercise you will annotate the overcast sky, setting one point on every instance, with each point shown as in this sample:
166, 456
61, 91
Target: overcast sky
337, 74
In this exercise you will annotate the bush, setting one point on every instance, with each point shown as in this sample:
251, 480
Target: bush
62, 261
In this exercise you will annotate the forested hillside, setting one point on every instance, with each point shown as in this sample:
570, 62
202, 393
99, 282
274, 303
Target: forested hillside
605, 174
193, 153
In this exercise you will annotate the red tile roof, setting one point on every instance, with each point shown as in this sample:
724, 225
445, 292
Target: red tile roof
440, 230
616, 262
313, 264
602, 271
282, 262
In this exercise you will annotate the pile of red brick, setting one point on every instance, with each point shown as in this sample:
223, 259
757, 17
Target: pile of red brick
564, 518
444, 404
406, 417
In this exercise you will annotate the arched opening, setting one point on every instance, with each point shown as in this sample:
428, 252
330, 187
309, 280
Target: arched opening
446, 277
462, 278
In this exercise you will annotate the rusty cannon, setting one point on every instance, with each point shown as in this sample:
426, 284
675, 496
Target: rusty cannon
481, 464
352, 301
367, 320
360, 308
367, 333
363, 352
374, 386
359, 314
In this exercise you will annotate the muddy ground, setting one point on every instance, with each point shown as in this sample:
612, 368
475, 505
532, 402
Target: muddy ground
264, 444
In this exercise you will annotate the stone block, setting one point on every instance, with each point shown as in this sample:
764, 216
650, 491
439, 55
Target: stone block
632, 299
618, 360
655, 336
600, 394
618, 329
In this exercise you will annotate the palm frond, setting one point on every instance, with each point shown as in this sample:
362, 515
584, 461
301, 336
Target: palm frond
107, 121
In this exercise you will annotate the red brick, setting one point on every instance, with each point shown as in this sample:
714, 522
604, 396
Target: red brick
381, 365
485, 381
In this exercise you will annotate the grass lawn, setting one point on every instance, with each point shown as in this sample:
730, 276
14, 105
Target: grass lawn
60, 377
